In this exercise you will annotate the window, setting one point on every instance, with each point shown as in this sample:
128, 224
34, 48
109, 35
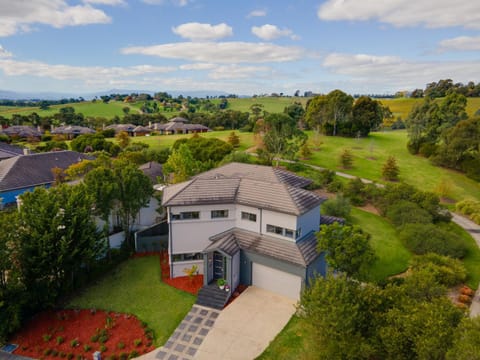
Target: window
187, 257
298, 233
249, 216
215, 214
188, 215
292, 234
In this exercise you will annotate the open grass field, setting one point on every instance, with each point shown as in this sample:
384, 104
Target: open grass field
371, 153
135, 287
270, 104
392, 256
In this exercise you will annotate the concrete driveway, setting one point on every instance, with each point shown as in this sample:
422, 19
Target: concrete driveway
244, 329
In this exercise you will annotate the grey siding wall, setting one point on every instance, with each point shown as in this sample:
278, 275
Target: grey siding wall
246, 259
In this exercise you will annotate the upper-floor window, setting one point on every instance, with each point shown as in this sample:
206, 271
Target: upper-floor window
249, 216
292, 234
187, 215
215, 214
187, 257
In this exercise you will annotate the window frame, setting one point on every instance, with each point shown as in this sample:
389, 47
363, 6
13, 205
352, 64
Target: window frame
245, 215
219, 214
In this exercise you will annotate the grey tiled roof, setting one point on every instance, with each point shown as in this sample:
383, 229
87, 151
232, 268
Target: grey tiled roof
8, 151
260, 194
153, 170
35, 169
256, 172
72, 129
299, 253
21, 131
328, 220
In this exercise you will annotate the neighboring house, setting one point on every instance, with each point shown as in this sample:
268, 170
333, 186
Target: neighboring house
178, 125
72, 131
8, 151
26, 172
247, 224
22, 131
141, 131
128, 128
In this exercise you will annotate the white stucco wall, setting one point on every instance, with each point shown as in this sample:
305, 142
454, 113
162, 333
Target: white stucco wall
278, 219
309, 221
247, 224
190, 236
179, 267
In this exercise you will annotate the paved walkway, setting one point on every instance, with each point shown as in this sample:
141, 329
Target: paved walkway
187, 337
246, 327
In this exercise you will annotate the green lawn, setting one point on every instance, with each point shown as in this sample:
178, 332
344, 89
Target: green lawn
270, 104
135, 287
371, 153
392, 256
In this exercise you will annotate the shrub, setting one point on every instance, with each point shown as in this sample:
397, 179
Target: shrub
94, 338
46, 337
406, 212
133, 354
74, 343
425, 238
427, 149
70, 356
54, 352
465, 290
137, 342
60, 340
79, 357
47, 352
346, 159
87, 347
62, 354
103, 348
464, 299
123, 356
446, 271
339, 206
335, 186
120, 345
103, 339
354, 190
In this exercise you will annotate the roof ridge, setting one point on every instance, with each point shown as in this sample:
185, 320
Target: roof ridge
13, 161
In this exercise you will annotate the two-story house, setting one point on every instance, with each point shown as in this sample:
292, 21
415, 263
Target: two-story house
247, 224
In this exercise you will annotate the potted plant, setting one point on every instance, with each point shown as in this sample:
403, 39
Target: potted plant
227, 287
221, 283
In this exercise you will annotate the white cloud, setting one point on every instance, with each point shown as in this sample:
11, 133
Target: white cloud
397, 73
67, 72
197, 66
257, 13
223, 52
105, 2
461, 43
237, 72
4, 53
198, 31
180, 3
18, 16
271, 32
438, 14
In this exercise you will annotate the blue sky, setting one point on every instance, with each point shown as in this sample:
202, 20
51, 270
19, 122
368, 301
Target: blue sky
242, 47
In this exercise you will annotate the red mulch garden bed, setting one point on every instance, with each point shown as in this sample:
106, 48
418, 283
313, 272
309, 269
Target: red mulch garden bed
77, 334
189, 284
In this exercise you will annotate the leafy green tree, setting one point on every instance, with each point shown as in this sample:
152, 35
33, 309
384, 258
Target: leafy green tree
347, 248
180, 164
295, 111
406, 212
123, 139
338, 206
341, 316
346, 158
305, 151
390, 169
367, 115
57, 239
134, 191
466, 342
282, 137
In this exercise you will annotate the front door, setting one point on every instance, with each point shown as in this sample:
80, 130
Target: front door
218, 266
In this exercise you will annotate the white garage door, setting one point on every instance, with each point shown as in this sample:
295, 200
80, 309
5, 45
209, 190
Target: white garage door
276, 281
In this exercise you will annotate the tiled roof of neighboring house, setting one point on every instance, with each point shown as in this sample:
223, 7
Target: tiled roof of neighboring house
328, 220
21, 131
256, 172
72, 129
153, 170
300, 253
142, 129
9, 356
35, 169
178, 123
8, 151
273, 196
121, 127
